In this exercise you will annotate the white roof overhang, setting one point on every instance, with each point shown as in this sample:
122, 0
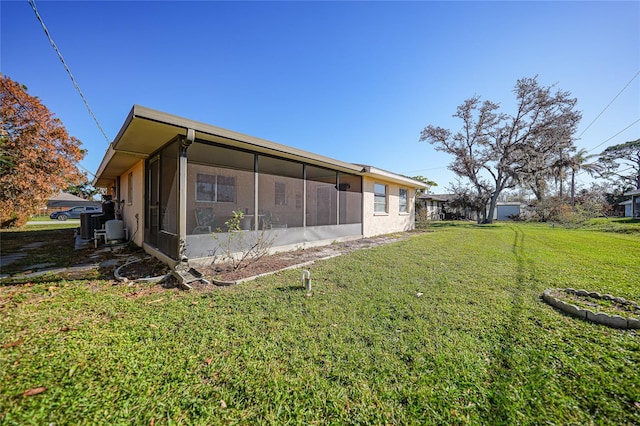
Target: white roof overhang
145, 131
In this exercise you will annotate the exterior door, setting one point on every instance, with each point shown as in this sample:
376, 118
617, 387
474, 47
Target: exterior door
152, 227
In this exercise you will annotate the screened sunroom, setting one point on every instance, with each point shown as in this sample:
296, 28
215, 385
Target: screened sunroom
179, 182
291, 201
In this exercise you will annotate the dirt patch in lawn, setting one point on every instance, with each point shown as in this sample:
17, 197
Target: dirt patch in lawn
279, 261
268, 264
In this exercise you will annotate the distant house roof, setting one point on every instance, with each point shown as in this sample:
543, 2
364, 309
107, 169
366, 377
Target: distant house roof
64, 199
634, 192
435, 197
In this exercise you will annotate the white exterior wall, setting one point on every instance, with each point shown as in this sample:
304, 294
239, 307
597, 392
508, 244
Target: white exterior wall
134, 202
393, 220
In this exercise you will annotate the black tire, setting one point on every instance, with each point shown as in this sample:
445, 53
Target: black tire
63, 217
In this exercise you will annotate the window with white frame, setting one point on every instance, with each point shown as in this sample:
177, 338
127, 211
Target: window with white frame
380, 198
215, 188
402, 196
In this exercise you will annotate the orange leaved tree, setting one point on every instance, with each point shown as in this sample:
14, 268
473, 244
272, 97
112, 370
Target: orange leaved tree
38, 158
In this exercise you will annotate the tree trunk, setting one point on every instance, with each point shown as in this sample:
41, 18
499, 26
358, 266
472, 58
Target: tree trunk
492, 207
573, 189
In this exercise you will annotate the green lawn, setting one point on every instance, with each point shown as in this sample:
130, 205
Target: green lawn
479, 347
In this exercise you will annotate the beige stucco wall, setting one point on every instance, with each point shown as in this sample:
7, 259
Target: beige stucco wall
134, 202
393, 220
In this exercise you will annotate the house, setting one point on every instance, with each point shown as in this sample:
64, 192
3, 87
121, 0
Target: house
178, 181
432, 206
635, 203
64, 201
627, 206
439, 207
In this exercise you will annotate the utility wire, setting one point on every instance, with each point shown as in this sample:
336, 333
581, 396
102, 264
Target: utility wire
602, 143
32, 3
426, 170
608, 105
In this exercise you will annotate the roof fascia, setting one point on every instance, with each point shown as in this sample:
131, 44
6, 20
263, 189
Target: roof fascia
249, 142
393, 177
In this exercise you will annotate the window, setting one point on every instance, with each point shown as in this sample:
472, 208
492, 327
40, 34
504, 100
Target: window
226, 189
215, 188
380, 198
130, 189
206, 187
403, 200
281, 194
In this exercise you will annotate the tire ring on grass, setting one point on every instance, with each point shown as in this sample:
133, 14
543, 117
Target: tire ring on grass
614, 321
149, 280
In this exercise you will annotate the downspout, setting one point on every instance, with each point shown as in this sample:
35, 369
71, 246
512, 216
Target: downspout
304, 196
185, 143
337, 198
183, 273
256, 183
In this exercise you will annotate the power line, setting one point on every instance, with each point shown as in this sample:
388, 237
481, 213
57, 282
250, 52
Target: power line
32, 3
602, 143
426, 170
609, 104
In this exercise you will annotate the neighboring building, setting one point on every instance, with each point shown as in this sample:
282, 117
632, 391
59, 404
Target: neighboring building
180, 180
438, 207
432, 205
628, 208
64, 201
508, 210
635, 203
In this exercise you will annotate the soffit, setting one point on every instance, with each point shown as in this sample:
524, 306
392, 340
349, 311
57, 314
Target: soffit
146, 130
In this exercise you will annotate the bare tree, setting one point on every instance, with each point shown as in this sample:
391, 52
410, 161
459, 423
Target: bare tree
496, 151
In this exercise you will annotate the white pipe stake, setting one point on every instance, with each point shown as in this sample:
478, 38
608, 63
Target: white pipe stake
306, 279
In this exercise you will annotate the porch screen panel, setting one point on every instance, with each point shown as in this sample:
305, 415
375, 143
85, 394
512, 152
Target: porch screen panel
280, 189
322, 196
219, 181
350, 193
169, 189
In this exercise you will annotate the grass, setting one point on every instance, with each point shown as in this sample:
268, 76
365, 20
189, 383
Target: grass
478, 347
50, 244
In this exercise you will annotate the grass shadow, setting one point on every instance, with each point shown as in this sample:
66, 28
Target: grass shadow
626, 220
502, 376
451, 223
290, 288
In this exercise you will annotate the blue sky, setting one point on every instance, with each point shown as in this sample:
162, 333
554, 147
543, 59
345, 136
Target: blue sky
356, 81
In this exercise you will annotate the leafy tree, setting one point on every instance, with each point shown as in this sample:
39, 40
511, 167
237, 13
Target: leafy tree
38, 156
497, 151
427, 182
580, 162
623, 162
83, 190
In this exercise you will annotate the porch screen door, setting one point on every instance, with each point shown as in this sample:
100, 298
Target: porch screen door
153, 201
